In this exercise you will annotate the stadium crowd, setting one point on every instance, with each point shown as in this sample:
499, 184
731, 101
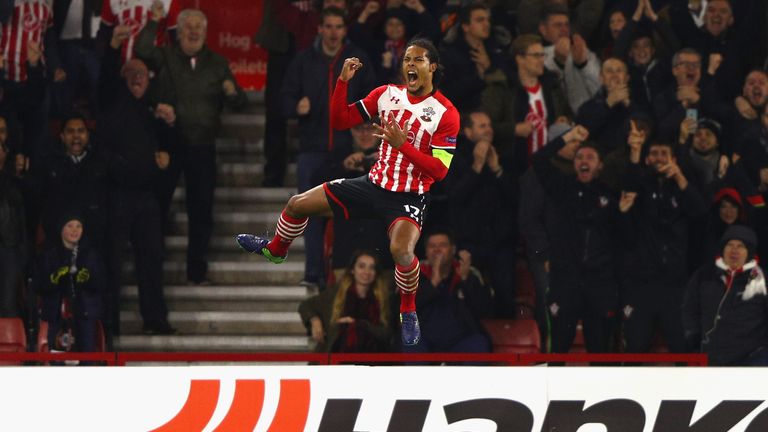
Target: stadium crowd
618, 149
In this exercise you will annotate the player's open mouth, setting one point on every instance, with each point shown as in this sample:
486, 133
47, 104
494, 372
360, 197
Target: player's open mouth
412, 77
584, 168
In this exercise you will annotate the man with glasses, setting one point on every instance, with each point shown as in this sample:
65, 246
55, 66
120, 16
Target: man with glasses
522, 107
723, 39
692, 94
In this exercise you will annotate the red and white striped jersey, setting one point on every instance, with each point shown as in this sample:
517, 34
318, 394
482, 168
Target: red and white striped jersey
136, 13
537, 115
434, 124
30, 20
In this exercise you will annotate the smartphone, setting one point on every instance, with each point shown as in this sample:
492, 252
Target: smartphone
692, 113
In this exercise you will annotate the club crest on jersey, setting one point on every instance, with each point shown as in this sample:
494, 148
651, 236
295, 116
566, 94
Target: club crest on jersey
603, 201
428, 113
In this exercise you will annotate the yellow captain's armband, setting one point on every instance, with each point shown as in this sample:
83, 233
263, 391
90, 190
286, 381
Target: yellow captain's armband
445, 156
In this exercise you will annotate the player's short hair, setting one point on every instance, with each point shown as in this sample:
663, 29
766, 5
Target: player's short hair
441, 231
333, 11
74, 117
687, 50
433, 56
465, 14
590, 145
466, 117
552, 10
521, 43
662, 143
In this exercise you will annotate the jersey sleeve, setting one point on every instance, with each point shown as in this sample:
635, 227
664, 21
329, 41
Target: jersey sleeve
447, 131
343, 115
107, 14
369, 106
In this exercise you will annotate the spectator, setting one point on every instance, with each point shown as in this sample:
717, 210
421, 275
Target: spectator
73, 179
305, 99
691, 95
387, 52
282, 24
69, 278
200, 84
744, 119
582, 284
568, 56
608, 113
725, 311
136, 14
586, 14
536, 216
721, 40
655, 224
25, 40
702, 153
451, 300
470, 58
754, 151
649, 68
129, 132
75, 23
352, 316
522, 107
482, 198
13, 231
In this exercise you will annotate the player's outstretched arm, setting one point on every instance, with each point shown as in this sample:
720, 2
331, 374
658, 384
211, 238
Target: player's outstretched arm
343, 115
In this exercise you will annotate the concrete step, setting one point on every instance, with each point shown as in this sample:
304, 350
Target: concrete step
255, 271
248, 298
221, 243
223, 323
244, 195
217, 343
248, 174
232, 223
235, 254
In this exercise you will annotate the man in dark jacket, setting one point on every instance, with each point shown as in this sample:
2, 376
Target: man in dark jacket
13, 247
482, 198
198, 83
692, 95
74, 179
128, 131
451, 300
582, 276
306, 95
608, 113
655, 221
722, 39
470, 58
725, 311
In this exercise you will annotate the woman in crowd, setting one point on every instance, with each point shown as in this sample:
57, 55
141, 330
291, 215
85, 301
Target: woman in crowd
352, 316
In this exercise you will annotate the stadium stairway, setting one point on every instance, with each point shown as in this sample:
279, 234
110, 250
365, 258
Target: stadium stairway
251, 305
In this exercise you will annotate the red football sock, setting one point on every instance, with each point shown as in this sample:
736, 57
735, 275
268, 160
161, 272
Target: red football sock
288, 228
407, 281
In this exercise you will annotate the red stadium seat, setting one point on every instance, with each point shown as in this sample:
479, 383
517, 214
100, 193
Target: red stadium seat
13, 338
514, 336
42, 337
